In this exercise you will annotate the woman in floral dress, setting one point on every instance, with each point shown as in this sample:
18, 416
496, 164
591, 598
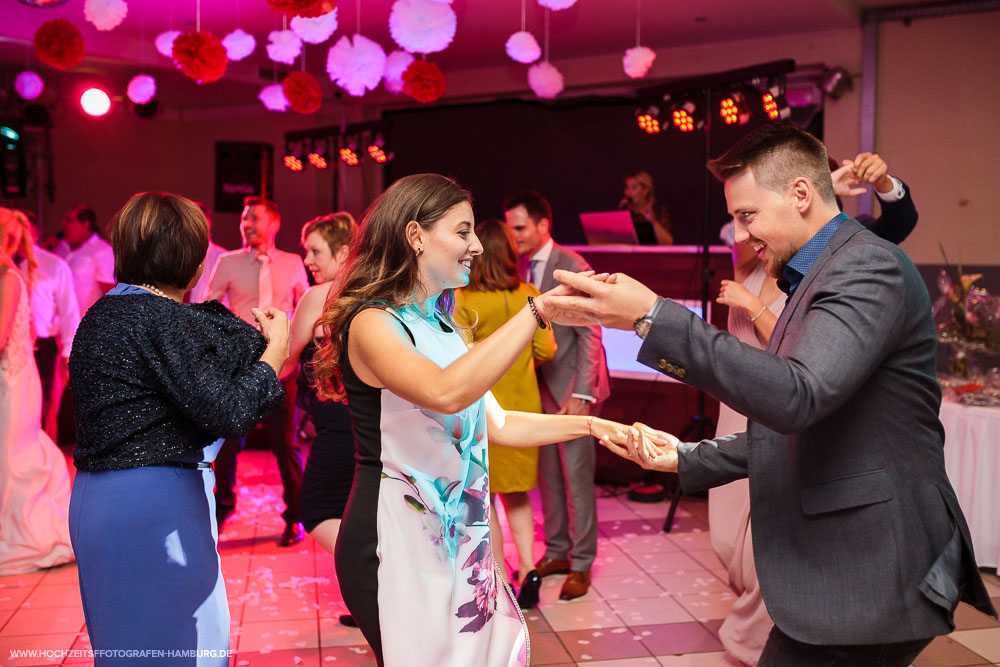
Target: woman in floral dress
414, 558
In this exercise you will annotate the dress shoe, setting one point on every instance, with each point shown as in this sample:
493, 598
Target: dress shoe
546, 566
528, 597
222, 513
293, 534
576, 585
348, 620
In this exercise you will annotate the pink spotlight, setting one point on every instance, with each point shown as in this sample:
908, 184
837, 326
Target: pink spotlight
95, 102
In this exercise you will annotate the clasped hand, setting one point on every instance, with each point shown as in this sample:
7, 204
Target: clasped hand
648, 447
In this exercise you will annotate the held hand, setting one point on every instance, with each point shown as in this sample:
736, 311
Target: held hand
616, 302
651, 449
871, 168
274, 326
844, 182
735, 295
575, 406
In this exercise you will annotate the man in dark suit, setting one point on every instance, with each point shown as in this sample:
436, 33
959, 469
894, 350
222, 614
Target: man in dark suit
574, 382
862, 551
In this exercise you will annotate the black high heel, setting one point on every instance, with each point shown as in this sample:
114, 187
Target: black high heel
528, 597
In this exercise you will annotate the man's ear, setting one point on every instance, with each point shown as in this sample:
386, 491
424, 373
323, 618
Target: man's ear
414, 235
545, 225
803, 193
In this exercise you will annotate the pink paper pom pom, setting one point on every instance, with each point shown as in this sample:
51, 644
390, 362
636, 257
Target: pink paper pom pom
105, 14
523, 47
29, 85
273, 97
637, 61
556, 5
239, 44
392, 75
165, 42
284, 46
317, 30
545, 80
141, 89
422, 26
355, 67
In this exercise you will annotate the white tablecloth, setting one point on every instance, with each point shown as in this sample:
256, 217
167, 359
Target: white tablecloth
972, 459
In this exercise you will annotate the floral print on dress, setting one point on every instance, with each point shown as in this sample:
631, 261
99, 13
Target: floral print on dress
484, 581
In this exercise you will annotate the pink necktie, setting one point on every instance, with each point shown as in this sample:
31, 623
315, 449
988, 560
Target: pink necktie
265, 287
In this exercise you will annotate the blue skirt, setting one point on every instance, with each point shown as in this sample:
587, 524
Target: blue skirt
146, 543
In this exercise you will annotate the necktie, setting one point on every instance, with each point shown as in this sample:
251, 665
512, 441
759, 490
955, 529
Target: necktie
265, 286
534, 270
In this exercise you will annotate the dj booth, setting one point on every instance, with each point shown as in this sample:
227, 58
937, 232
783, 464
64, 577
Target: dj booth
639, 393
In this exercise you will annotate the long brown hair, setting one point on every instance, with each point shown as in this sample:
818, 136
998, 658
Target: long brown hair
496, 268
383, 267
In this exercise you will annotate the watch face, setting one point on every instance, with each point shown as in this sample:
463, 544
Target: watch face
643, 326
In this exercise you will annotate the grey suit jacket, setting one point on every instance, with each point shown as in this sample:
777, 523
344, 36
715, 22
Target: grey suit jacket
858, 536
579, 366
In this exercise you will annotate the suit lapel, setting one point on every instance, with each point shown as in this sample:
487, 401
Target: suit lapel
847, 229
548, 282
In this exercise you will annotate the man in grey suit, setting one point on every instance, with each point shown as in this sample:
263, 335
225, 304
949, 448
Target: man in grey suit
574, 382
862, 551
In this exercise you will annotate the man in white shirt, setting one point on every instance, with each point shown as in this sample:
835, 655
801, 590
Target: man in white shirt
88, 255
200, 290
258, 276
56, 316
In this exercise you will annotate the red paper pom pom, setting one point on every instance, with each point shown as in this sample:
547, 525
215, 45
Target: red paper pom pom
201, 56
307, 9
59, 44
423, 81
303, 92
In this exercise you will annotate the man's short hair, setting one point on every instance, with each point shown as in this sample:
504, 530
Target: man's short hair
86, 214
535, 204
159, 239
777, 155
269, 205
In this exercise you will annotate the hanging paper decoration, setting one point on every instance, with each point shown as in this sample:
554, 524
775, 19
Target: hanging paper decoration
392, 75
105, 14
422, 26
29, 85
545, 80
141, 89
423, 81
239, 44
637, 61
284, 46
308, 9
355, 67
273, 97
201, 56
59, 44
303, 93
523, 47
556, 5
317, 30
442, 2
165, 42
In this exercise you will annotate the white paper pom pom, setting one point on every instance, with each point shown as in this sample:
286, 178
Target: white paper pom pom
545, 80
392, 75
637, 61
105, 14
273, 97
355, 67
556, 5
239, 44
284, 46
317, 30
523, 47
29, 85
422, 26
165, 42
141, 89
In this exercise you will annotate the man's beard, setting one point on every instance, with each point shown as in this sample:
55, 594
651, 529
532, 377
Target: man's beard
776, 263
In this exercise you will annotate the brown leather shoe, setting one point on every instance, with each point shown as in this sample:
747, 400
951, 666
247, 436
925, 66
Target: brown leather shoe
576, 585
546, 566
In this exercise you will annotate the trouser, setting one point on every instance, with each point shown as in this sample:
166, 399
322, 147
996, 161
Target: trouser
569, 498
781, 651
279, 430
46, 358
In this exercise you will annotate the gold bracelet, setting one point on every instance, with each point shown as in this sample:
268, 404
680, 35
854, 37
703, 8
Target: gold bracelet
754, 318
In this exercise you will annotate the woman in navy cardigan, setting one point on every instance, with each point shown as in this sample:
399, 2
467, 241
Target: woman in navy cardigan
157, 384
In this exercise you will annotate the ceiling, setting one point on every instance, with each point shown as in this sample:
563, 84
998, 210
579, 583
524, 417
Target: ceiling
590, 27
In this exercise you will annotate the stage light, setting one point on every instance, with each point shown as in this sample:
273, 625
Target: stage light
836, 82
9, 133
377, 152
95, 102
317, 157
733, 109
293, 163
648, 119
293, 156
774, 103
349, 154
686, 117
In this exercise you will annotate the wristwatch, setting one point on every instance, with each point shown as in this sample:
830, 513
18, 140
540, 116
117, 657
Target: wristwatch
643, 324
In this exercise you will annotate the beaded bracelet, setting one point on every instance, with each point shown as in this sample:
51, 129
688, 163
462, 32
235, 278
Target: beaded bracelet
534, 311
754, 318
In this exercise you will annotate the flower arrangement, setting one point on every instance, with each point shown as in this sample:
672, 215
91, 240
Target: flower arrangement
967, 317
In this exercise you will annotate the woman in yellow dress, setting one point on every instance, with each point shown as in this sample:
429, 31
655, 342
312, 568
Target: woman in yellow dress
494, 294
